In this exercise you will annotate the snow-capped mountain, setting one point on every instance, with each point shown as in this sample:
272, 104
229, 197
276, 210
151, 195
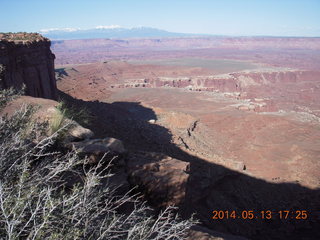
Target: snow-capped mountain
113, 31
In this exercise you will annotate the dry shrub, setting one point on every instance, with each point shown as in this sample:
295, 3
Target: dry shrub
38, 200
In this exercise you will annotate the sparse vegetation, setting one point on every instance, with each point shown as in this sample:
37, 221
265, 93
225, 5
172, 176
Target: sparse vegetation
7, 95
57, 120
46, 193
81, 116
64, 112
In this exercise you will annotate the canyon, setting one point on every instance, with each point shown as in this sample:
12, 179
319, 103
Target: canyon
208, 123
215, 123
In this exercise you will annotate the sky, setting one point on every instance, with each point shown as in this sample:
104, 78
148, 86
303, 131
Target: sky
223, 17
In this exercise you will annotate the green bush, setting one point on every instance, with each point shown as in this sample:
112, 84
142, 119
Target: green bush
81, 116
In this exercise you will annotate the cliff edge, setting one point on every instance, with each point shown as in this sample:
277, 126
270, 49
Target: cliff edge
26, 58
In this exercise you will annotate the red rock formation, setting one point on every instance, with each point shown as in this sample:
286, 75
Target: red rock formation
27, 59
164, 182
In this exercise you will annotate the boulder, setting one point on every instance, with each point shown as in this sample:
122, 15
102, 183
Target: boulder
77, 132
163, 182
152, 121
203, 233
96, 148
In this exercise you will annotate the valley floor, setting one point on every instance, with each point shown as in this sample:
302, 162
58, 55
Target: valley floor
246, 139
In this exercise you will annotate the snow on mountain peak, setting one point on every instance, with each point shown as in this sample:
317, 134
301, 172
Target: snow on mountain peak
108, 27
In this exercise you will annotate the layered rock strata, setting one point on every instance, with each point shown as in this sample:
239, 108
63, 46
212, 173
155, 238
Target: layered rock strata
26, 59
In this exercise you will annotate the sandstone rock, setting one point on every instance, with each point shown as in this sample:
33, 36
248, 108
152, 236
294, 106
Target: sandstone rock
45, 106
163, 182
244, 108
96, 148
152, 121
79, 132
105, 144
251, 107
203, 233
30, 62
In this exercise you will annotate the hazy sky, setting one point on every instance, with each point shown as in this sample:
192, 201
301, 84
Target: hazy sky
226, 17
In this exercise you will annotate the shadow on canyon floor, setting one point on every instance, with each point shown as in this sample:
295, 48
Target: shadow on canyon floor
211, 186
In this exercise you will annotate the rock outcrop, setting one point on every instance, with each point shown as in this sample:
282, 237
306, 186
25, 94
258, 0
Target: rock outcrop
27, 59
163, 182
96, 149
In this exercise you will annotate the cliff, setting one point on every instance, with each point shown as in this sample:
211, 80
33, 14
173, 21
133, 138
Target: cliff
27, 59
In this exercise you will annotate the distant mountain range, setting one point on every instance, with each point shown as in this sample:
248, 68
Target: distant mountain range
109, 32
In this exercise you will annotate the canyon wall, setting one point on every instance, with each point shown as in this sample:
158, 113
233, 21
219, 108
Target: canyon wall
231, 82
27, 59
